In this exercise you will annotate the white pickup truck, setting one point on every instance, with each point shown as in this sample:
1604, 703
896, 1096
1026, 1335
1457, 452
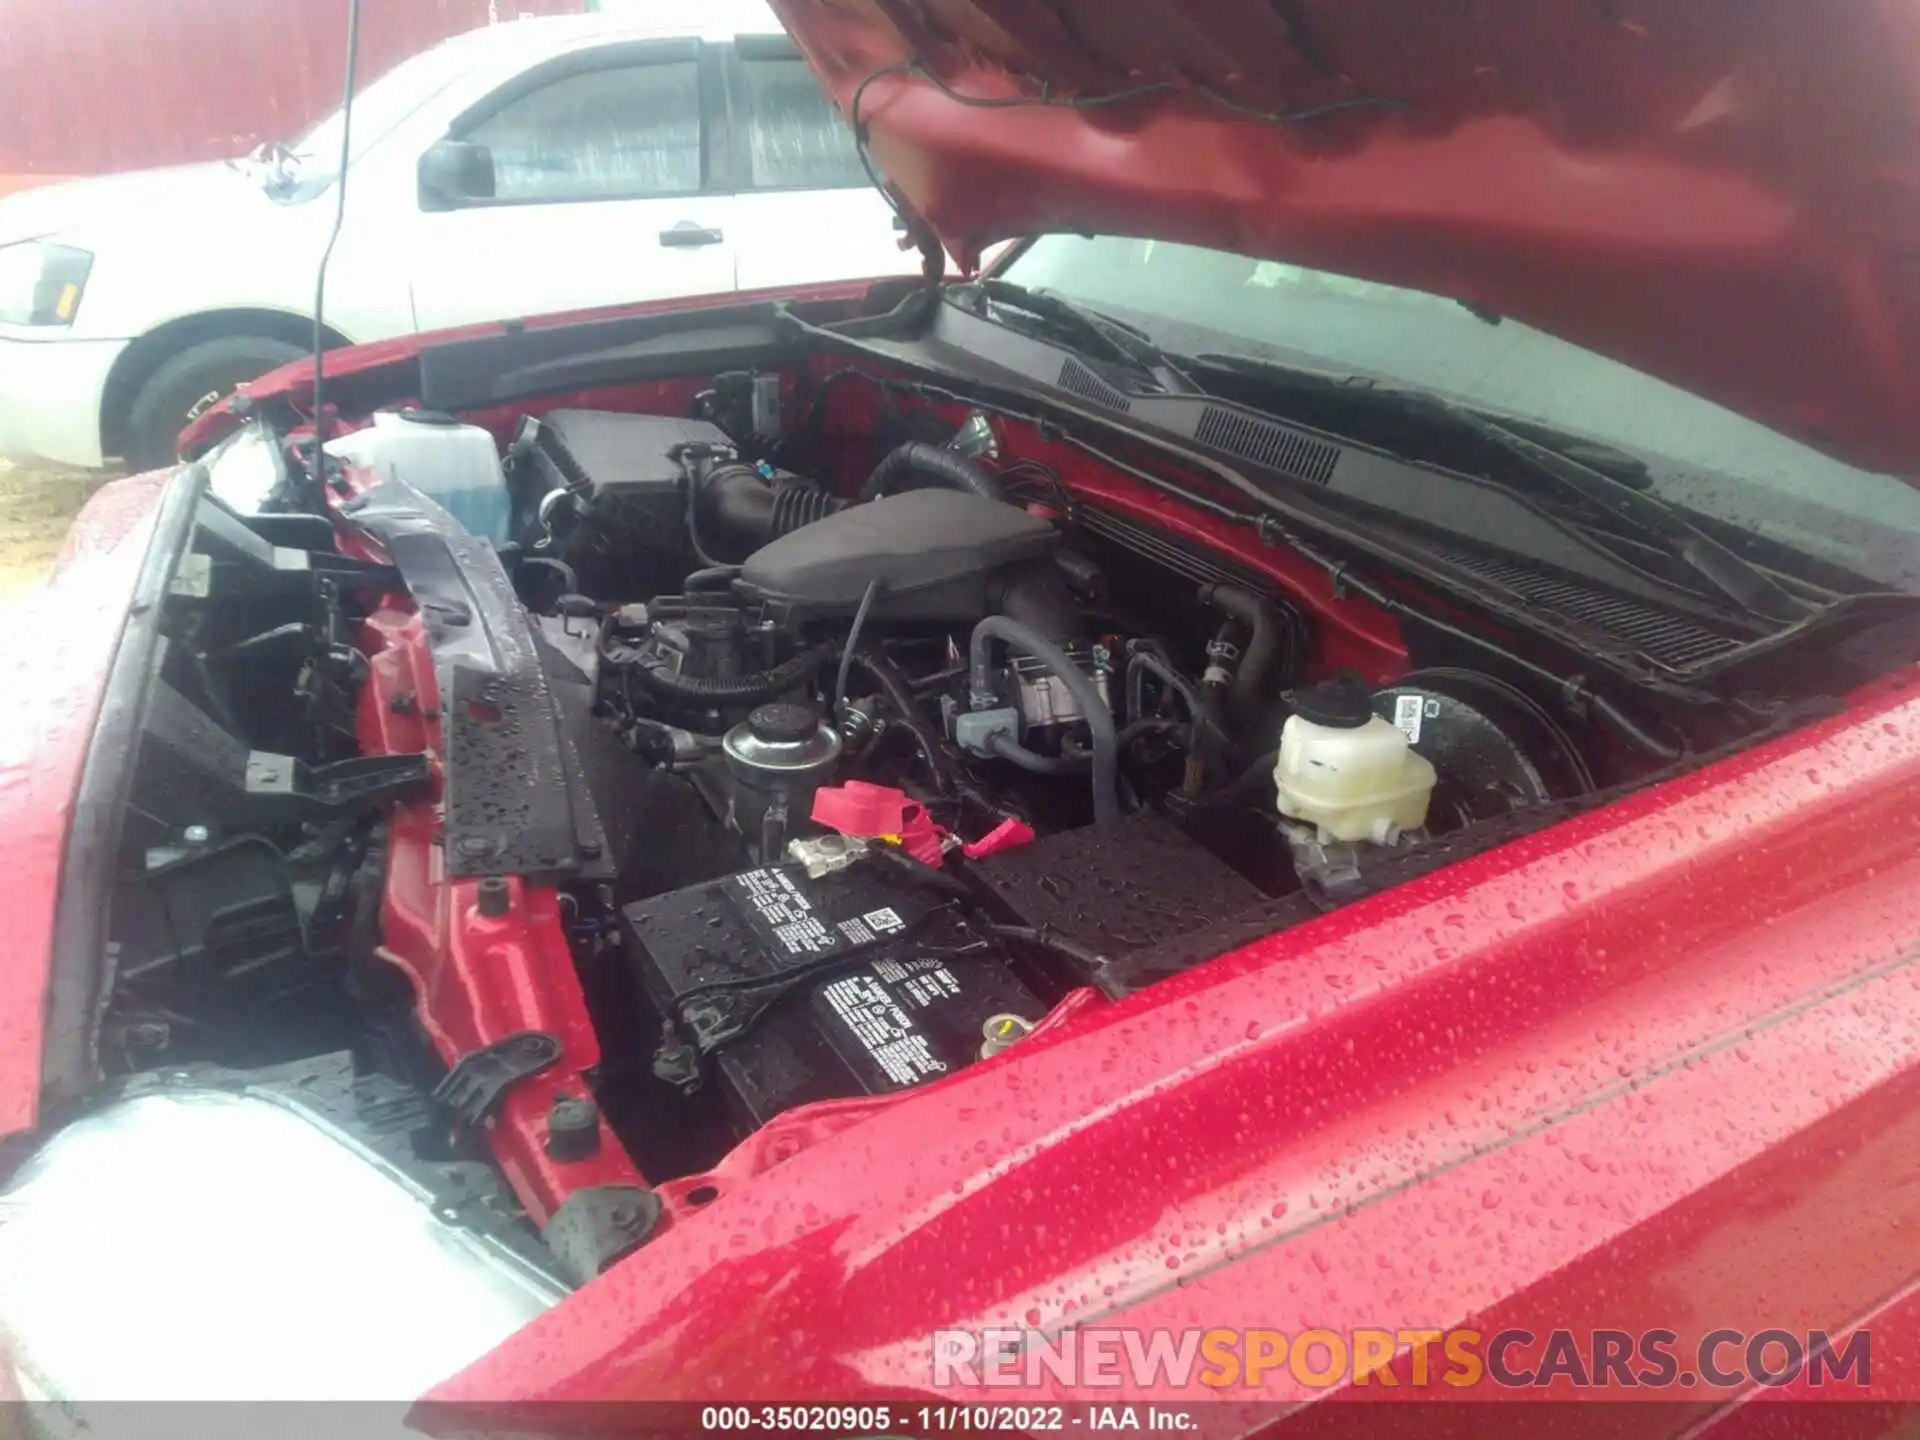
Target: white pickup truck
532, 166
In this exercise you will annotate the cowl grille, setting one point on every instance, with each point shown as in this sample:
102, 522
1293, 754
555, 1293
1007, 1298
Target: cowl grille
1077, 379
1672, 640
1274, 446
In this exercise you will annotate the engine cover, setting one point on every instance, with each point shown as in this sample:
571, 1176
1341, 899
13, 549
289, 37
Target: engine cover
936, 555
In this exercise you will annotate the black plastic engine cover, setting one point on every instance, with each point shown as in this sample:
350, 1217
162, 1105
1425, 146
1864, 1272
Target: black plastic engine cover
936, 554
1130, 887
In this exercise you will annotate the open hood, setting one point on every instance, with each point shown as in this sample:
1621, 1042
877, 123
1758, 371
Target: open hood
1722, 193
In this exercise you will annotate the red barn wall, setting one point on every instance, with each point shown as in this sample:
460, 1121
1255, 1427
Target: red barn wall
88, 87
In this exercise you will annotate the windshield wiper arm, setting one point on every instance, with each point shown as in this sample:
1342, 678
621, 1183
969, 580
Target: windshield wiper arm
1665, 525
1126, 343
1744, 583
1609, 460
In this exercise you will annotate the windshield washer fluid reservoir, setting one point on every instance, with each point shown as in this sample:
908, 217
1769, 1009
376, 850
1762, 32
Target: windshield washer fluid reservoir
1346, 771
456, 466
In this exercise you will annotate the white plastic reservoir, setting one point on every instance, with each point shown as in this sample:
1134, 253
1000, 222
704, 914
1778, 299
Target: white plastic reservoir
455, 465
1355, 782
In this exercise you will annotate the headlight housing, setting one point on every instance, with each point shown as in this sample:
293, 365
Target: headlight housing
204, 1244
41, 283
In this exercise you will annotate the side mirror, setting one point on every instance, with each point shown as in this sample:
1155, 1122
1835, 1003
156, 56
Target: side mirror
454, 173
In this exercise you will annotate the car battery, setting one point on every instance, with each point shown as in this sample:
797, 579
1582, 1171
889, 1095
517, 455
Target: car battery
789, 989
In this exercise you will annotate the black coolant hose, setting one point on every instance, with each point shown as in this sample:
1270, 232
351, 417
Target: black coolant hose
935, 463
741, 690
1093, 705
1263, 638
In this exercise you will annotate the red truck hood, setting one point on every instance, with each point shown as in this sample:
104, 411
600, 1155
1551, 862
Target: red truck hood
57, 648
1722, 193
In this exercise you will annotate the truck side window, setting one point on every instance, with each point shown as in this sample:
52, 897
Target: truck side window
795, 138
626, 132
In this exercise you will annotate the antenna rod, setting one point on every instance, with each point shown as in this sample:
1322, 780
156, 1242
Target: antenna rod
326, 255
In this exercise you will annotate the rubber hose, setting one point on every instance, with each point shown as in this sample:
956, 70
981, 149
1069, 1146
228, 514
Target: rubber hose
932, 462
894, 686
1263, 637
1247, 783
1093, 706
746, 689
1632, 731
569, 578
1014, 753
772, 828
1143, 662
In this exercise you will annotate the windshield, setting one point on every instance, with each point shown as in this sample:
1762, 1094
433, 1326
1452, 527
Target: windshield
1192, 300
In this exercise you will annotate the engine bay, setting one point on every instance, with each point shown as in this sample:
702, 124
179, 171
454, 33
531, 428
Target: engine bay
780, 740
940, 754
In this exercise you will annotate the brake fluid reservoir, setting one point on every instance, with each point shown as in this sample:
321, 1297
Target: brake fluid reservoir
1346, 771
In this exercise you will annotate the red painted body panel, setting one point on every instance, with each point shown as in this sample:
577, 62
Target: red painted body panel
56, 646
1626, 1072
1719, 192
93, 86
477, 978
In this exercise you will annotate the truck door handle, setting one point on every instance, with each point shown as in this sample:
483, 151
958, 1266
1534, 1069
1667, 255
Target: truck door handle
689, 233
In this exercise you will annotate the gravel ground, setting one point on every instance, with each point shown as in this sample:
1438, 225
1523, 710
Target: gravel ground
36, 507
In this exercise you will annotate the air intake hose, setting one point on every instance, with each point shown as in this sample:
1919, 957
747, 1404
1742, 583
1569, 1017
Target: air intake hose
738, 509
931, 462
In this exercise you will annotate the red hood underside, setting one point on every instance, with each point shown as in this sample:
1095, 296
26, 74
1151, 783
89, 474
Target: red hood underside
1719, 192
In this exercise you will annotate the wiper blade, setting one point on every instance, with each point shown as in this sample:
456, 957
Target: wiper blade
1114, 338
1621, 465
1744, 583
1579, 468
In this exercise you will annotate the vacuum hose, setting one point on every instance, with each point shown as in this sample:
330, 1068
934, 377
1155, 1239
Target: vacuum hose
935, 463
1093, 707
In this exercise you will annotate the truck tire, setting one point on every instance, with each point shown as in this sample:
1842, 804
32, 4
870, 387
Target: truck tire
186, 384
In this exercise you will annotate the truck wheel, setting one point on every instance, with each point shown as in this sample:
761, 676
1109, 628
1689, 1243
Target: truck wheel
187, 384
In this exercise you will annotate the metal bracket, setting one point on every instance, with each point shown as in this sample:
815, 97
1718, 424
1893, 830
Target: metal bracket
232, 562
480, 1079
363, 783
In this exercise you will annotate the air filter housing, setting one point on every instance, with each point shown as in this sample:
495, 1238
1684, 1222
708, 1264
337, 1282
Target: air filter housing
627, 475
